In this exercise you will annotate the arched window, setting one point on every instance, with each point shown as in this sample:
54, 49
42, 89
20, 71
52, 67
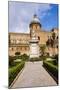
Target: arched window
12, 48
25, 48
20, 48
38, 38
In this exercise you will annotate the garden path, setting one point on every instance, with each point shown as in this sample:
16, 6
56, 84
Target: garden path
34, 75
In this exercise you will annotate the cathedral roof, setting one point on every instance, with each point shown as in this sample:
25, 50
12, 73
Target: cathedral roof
35, 20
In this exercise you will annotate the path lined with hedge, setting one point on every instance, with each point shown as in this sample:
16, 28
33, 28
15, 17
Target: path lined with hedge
34, 75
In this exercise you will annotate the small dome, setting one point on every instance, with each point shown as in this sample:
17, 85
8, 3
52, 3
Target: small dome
35, 20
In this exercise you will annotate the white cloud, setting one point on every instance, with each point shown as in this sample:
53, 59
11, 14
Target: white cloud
20, 15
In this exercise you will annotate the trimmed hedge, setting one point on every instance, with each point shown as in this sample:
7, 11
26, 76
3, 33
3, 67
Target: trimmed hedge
53, 62
43, 57
34, 59
56, 57
24, 57
12, 58
51, 68
14, 71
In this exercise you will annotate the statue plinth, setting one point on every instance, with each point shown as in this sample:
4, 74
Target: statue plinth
34, 47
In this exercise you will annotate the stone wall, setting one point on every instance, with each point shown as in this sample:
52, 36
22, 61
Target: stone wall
20, 41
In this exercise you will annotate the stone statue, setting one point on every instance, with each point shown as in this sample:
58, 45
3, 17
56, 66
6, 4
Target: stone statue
34, 36
33, 33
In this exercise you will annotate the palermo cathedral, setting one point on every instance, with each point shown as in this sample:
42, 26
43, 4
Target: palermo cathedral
19, 42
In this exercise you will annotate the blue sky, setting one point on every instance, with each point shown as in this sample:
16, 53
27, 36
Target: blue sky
21, 14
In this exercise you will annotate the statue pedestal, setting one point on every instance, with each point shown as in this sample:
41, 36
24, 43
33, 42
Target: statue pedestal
34, 48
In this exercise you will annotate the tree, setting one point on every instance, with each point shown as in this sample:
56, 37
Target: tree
51, 42
42, 48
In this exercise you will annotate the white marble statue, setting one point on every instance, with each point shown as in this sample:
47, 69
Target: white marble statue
33, 33
34, 36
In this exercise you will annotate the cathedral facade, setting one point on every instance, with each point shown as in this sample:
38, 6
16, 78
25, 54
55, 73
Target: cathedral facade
19, 42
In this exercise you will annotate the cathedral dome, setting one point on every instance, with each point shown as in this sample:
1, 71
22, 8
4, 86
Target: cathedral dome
35, 20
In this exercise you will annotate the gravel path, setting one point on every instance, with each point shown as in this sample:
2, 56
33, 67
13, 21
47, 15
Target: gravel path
34, 75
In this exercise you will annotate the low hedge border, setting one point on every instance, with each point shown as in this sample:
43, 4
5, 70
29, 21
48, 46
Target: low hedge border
34, 59
51, 68
14, 71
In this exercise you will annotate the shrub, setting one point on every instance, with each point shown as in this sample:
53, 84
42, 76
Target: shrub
43, 57
56, 57
24, 57
42, 48
53, 62
11, 60
51, 68
34, 59
14, 71
17, 53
